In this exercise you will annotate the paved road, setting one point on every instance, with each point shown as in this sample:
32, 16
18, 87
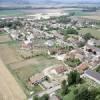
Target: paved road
49, 91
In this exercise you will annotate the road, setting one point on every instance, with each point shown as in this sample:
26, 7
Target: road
49, 91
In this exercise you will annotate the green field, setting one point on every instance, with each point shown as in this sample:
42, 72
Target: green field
94, 32
80, 13
37, 88
39, 63
4, 13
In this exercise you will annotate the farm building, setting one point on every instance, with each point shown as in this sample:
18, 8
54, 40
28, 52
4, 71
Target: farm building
94, 42
92, 49
82, 67
36, 79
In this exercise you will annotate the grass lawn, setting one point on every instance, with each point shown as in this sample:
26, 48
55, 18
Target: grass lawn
1, 33
94, 32
37, 88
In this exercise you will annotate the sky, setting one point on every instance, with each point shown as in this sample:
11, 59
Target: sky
74, 1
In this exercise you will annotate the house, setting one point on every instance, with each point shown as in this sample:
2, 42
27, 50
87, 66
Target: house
49, 85
56, 73
77, 54
49, 43
95, 76
81, 39
82, 67
29, 36
93, 42
92, 49
37, 78
26, 44
14, 36
60, 57
2, 30
60, 69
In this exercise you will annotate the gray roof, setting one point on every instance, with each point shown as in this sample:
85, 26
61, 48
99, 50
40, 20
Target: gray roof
93, 74
97, 42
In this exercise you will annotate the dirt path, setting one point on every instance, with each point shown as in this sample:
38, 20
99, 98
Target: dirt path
9, 88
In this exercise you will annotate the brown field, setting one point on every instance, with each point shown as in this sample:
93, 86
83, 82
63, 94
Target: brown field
9, 89
92, 17
8, 54
23, 63
4, 38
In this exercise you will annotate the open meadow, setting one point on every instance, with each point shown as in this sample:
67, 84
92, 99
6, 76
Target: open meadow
94, 32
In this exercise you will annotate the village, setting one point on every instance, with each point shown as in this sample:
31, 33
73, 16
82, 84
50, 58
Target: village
56, 40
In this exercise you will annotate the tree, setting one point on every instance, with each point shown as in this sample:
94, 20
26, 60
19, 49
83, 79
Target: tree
71, 13
77, 78
45, 97
64, 87
35, 98
75, 91
63, 19
73, 78
72, 62
63, 83
97, 97
87, 36
98, 69
83, 94
70, 31
70, 80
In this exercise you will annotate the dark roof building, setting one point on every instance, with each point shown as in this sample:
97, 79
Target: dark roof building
93, 75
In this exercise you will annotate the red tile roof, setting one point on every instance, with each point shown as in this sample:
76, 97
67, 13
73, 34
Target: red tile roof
60, 69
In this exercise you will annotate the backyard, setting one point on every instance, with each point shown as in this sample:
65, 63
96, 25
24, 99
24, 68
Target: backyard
94, 32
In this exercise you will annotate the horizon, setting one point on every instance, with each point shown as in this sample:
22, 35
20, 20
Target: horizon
48, 1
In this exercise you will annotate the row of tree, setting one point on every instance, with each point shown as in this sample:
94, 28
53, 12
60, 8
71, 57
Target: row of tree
73, 78
10, 24
84, 93
63, 19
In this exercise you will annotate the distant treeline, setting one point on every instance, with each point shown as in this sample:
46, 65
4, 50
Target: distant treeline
31, 8
89, 9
